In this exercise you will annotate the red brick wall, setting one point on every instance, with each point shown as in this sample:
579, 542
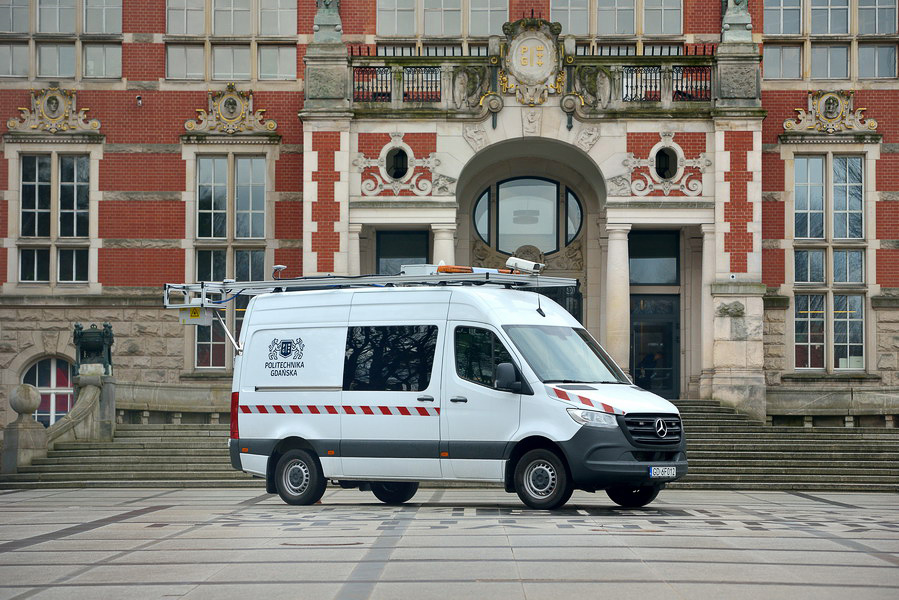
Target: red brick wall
640, 144
143, 16
141, 266
289, 220
773, 266
292, 258
704, 17
888, 267
888, 173
738, 210
142, 172
359, 16
325, 209
522, 8
772, 220
887, 220
780, 105
150, 219
143, 61
289, 173
772, 172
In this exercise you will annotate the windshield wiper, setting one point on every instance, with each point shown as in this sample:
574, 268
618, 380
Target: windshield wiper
564, 381
614, 382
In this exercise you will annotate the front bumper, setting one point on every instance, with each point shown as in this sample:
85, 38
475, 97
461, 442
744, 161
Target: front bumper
601, 457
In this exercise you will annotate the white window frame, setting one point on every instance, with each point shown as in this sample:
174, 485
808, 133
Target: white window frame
614, 12
58, 48
76, 253
878, 7
16, 55
112, 61
876, 62
180, 11
448, 13
14, 8
774, 11
57, 8
183, 50
664, 10
494, 10
285, 15
769, 49
830, 64
830, 9
52, 390
390, 11
111, 11
235, 14
219, 52
567, 12
287, 62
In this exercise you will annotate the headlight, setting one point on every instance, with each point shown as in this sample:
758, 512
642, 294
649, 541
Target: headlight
593, 418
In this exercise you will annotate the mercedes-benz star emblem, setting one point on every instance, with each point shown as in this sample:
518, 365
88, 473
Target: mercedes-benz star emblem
661, 428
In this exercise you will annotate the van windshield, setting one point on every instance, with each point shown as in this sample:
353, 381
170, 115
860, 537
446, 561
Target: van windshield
564, 355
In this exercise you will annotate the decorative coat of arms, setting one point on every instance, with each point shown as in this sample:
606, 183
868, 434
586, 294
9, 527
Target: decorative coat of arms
55, 111
283, 349
230, 111
830, 112
533, 61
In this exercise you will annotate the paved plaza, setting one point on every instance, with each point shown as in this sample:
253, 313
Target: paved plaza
446, 543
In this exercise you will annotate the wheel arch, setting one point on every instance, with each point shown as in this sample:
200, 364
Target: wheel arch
282, 447
526, 445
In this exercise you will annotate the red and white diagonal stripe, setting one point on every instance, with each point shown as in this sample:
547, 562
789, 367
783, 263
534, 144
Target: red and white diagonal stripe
329, 409
563, 395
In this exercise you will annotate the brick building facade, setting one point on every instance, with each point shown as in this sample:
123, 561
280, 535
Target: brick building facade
733, 221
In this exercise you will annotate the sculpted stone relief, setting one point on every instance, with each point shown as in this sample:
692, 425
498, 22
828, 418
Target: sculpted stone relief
55, 111
570, 258
531, 120
532, 65
830, 112
682, 181
476, 136
415, 180
230, 111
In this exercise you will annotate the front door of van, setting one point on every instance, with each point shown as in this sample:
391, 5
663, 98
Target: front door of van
477, 420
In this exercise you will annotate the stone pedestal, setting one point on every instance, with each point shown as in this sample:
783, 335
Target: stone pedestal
739, 376
24, 439
444, 244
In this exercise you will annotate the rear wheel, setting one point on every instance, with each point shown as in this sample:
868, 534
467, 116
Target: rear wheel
633, 496
299, 479
541, 480
394, 492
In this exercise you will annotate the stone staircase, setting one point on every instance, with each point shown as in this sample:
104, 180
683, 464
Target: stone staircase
726, 450
140, 456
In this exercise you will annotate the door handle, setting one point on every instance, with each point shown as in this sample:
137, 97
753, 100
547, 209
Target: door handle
426, 398
458, 399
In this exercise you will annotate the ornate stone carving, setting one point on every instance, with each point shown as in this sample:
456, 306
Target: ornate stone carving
444, 185
830, 112
619, 186
681, 180
469, 85
737, 24
476, 136
531, 120
532, 64
593, 85
739, 81
230, 111
587, 138
55, 111
376, 182
570, 258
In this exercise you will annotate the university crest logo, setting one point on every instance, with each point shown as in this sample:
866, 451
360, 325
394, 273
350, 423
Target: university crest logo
286, 349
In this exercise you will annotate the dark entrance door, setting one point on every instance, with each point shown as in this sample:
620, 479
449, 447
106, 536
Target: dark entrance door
655, 343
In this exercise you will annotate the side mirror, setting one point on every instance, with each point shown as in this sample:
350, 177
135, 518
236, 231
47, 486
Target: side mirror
507, 378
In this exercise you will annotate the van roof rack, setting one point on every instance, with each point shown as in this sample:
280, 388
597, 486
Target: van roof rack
214, 294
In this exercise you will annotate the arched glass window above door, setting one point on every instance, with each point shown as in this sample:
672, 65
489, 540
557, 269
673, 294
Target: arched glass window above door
527, 211
53, 379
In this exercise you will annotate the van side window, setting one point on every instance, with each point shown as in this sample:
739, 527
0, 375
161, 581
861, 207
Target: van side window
478, 351
390, 358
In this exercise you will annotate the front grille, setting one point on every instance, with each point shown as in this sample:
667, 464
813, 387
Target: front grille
642, 429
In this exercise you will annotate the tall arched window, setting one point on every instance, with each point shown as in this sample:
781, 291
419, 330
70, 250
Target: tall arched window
527, 211
53, 379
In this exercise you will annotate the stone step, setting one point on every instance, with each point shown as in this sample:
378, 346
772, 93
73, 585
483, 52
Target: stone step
705, 427
117, 459
198, 476
170, 433
712, 463
824, 471
792, 478
738, 436
149, 445
764, 454
116, 467
792, 446
136, 483
113, 452
782, 486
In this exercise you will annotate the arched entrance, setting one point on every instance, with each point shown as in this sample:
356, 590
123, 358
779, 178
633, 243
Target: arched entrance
542, 200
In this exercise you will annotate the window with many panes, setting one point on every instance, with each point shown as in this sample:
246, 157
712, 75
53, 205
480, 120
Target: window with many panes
103, 60
56, 16
229, 57
783, 17
443, 17
830, 62
103, 16
876, 16
486, 17
574, 15
396, 17
14, 16
53, 379
830, 16
661, 17
56, 60
782, 62
13, 60
829, 262
230, 240
615, 17
54, 225
876, 60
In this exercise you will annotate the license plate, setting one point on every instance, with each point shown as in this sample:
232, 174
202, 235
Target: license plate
662, 472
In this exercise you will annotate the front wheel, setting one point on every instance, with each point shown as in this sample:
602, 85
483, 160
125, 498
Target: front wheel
633, 496
541, 480
394, 492
299, 479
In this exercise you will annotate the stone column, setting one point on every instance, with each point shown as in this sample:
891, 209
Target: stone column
354, 266
707, 311
618, 295
444, 244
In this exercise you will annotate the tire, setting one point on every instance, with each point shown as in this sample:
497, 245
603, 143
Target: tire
394, 492
299, 479
541, 480
633, 497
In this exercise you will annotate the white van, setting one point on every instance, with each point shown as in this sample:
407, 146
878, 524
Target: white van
384, 387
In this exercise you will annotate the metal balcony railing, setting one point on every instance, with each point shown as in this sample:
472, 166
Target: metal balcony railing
422, 84
372, 84
641, 84
691, 83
